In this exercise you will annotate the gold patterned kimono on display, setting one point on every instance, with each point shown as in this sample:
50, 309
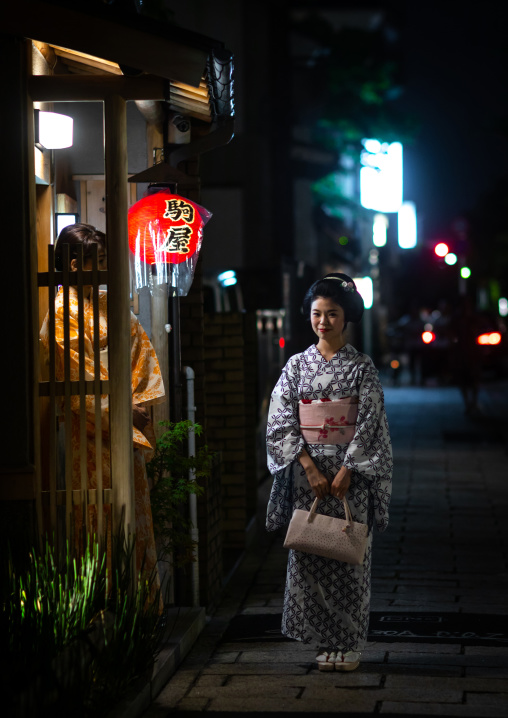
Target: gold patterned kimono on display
147, 388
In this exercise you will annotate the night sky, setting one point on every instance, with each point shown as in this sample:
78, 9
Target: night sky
456, 60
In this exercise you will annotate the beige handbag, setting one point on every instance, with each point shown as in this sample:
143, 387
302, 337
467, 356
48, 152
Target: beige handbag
343, 540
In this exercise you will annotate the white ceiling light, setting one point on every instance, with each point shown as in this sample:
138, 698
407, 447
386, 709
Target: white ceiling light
52, 130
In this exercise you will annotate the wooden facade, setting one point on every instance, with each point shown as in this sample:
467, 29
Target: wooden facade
93, 49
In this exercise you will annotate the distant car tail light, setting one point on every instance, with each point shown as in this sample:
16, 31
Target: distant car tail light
428, 337
491, 338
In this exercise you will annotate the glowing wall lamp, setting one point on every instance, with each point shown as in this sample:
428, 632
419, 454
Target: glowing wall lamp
53, 131
407, 225
64, 220
365, 288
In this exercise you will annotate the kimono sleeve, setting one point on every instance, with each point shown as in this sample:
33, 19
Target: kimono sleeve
147, 384
370, 451
284, 441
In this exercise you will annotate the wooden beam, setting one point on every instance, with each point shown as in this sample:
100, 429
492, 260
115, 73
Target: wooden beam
133, 42
95, 88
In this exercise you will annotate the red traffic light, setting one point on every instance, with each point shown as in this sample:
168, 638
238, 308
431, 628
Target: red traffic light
428, 337
441, 249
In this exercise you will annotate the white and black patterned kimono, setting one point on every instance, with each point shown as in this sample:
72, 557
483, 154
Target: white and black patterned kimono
326, 602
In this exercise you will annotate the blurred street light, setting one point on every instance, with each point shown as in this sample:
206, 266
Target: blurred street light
379, 228
381, 183
407, 225
365, 288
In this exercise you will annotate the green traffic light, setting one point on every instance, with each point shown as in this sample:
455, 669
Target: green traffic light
465, 272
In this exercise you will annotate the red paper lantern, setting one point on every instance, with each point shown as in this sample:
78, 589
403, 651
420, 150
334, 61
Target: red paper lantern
165, 227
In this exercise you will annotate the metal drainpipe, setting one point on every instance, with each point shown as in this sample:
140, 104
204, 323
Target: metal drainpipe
193, 508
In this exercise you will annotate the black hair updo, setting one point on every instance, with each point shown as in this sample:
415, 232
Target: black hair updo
341, 289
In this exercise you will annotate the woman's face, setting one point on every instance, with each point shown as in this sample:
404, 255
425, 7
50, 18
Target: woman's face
327, 319
87, 261
102, 260
102, 263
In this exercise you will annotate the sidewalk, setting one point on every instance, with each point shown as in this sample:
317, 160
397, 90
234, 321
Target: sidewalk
439, 619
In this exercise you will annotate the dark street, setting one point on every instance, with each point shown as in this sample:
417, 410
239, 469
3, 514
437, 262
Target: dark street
438, 639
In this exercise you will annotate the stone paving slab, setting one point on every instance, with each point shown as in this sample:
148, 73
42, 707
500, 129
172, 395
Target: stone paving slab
487, 607
243, 690
413, 648
491, 671
411, 669
378, 584
500, 700
471, 684
487, 651
334, 679
351, 703
253, 610
435, 709
257, 669
339, 697
428, 604
270, 652
226, 656
415, 658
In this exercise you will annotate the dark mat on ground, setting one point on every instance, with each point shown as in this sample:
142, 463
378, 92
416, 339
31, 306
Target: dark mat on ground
468, 629
284, 714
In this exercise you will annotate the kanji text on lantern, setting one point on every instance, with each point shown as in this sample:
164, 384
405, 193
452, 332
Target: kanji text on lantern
177, 239
179, 209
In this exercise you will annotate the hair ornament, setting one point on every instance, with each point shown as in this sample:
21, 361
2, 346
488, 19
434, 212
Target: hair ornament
346, 286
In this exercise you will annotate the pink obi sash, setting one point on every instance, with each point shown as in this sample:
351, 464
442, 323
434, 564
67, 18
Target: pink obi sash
328, 422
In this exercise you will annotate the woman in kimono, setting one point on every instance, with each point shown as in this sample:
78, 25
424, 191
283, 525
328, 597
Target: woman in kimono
327, 437
147, 388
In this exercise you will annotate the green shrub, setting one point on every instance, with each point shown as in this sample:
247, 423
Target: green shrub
71, 643
169, 470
